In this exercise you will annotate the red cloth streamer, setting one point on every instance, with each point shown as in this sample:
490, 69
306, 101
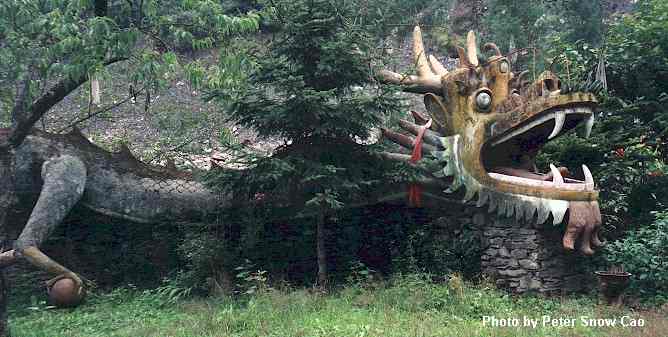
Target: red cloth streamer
415, 190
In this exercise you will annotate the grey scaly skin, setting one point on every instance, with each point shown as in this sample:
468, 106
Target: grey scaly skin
64, 171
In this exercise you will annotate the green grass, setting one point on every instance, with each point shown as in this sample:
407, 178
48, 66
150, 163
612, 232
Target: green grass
408, 306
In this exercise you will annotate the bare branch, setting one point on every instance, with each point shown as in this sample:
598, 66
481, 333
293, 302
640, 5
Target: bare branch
27, 116
100, 111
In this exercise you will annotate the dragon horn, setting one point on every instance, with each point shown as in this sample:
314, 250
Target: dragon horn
463, 59
437, 66
426, 81
471, 49
430, 84
423, 68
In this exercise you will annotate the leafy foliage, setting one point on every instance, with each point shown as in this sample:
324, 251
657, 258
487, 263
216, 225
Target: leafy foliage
43, 42
536, 25
642, 253
628, 149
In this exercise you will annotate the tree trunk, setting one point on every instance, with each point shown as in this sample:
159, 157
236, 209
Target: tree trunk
6, 200
321, 250
4, 327
95, 90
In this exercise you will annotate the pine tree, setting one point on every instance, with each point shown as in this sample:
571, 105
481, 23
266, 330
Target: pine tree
313, 87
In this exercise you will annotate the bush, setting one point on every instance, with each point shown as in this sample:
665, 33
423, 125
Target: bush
643, 253
209, 257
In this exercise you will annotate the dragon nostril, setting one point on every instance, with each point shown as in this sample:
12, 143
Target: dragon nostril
551, 84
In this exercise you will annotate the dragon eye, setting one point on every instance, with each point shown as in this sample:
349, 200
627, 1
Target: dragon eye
483, 101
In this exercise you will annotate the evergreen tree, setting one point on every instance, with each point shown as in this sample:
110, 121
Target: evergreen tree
313, 88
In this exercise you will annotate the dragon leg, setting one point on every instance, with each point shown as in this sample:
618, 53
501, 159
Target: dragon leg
64, 180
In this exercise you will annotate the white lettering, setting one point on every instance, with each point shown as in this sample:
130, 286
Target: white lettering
558, 322
530, 322
500, 322
630, 321
597, 322
486, 320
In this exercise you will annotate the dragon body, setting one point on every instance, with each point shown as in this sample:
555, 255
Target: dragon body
116, 184
55, 173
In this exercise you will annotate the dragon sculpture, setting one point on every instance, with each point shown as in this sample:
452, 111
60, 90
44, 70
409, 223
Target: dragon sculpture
58, 172
486, 125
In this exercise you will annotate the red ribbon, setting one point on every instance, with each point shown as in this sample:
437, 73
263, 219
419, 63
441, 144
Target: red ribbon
415, 190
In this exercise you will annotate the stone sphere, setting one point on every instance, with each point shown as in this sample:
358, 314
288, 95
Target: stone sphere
65, 293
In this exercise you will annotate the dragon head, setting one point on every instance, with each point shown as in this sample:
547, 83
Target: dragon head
488, 125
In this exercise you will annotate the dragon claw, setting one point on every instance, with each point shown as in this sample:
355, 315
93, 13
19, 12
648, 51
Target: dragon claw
81, 282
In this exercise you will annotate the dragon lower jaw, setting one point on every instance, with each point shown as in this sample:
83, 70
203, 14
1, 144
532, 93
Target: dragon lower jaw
554, 179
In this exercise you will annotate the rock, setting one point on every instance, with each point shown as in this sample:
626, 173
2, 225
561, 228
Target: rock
512, 272
519, 253
523, 245
528, 264
496, 241
494, 233
535, 284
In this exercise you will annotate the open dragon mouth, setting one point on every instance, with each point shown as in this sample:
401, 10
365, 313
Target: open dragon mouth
510, 156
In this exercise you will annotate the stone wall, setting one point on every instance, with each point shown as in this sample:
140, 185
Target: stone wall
524, 258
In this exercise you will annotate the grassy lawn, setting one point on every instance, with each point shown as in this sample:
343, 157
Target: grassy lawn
409, 306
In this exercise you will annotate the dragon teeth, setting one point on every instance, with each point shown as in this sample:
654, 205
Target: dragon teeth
507, 205
510, 208
501, 207
558, 208
519, 210
492, 203
589, 179
559, 119
589, 124
529, 210
543, 213
523, 208
557, 179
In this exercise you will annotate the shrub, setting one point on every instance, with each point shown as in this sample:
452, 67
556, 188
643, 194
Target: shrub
643, 253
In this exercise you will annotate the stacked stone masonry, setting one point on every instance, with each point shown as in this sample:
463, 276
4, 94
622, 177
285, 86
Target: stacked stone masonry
524, 257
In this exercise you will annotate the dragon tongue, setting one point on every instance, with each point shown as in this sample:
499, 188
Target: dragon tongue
518, 172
